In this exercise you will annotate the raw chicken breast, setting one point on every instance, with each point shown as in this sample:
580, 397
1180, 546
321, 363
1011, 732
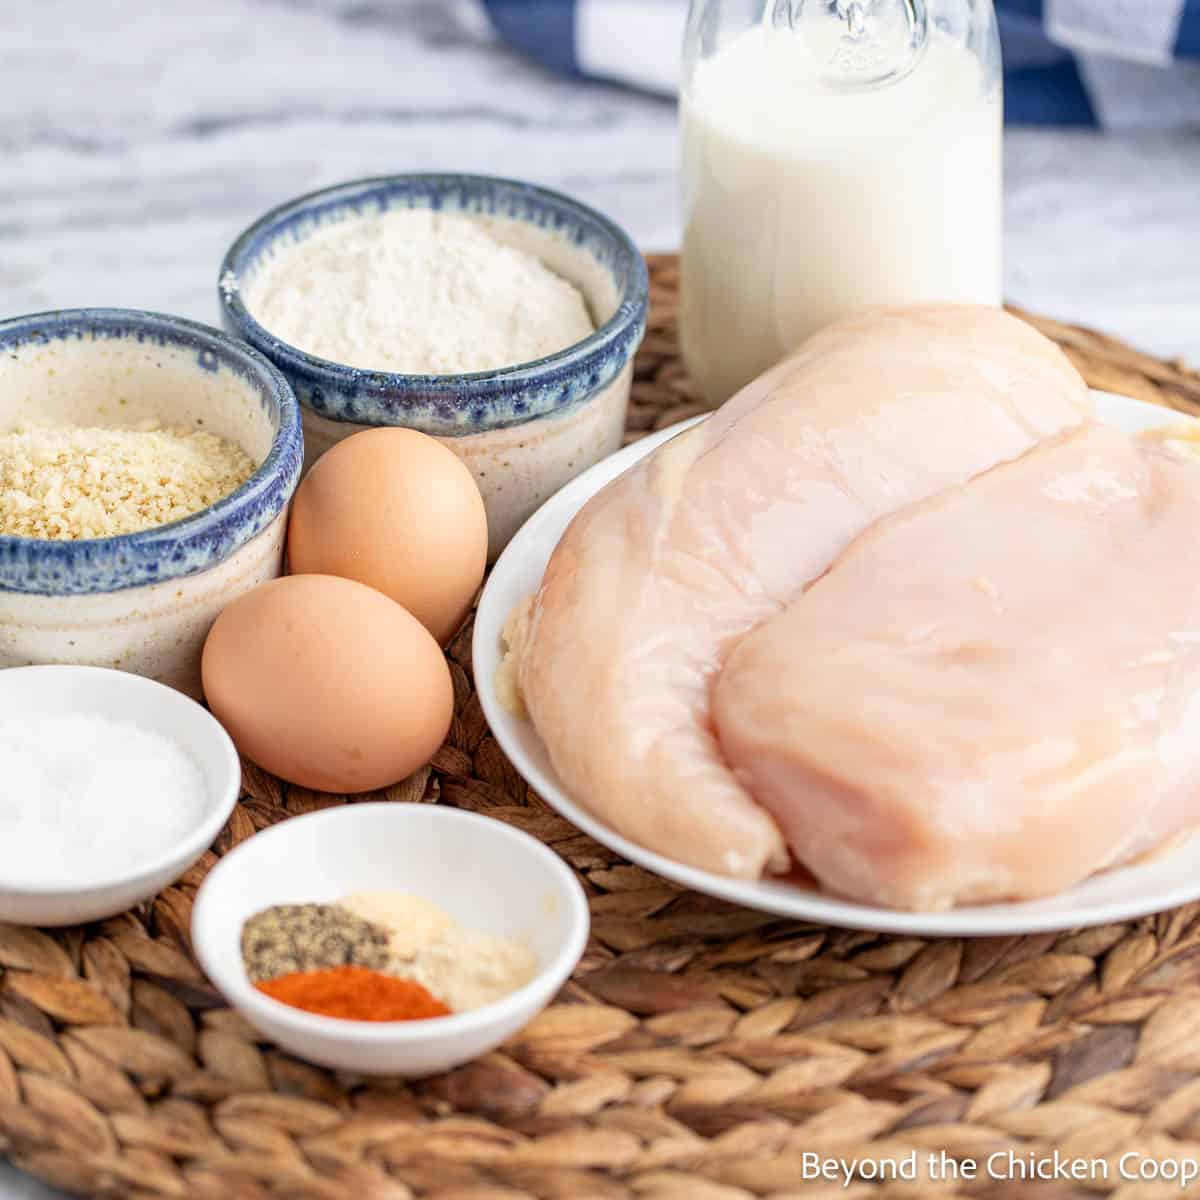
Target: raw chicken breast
993, 694
664, 571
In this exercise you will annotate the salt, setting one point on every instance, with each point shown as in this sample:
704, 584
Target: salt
87, 798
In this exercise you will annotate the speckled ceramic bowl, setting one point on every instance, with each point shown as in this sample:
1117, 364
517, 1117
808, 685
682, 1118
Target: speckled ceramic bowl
524, 431
143, 602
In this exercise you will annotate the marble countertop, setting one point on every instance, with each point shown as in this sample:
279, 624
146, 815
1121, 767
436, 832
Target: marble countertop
138, 139
138, 142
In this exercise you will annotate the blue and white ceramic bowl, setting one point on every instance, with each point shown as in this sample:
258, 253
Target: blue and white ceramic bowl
143, 602
524, 431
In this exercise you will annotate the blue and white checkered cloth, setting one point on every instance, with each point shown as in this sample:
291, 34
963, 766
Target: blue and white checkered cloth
1117, 64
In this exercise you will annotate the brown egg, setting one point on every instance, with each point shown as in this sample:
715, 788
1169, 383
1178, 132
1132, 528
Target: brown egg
327, 683
396, 510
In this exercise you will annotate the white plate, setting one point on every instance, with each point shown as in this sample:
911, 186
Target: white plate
1171, 879
487, 875
56, 690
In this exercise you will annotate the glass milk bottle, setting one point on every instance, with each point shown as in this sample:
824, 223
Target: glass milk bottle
837, 154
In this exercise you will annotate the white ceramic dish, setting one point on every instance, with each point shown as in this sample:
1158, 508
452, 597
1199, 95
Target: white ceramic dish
487, 875
116, 695
1172, 878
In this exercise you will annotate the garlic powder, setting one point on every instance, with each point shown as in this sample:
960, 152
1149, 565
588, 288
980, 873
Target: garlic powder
463, 968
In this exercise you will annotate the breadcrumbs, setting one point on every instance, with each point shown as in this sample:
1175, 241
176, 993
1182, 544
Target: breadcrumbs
71, 483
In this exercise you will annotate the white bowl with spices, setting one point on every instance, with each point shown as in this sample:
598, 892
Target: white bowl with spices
146, 464
498, 317
487, 876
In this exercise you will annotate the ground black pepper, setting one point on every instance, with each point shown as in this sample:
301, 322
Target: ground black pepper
292, 938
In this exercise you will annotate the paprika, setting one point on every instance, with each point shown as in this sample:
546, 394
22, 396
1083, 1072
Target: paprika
354, 993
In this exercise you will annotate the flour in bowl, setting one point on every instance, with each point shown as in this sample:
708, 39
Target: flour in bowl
416, 292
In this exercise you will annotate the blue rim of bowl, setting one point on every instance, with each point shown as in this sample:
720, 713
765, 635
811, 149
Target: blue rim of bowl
90, 566
445, 405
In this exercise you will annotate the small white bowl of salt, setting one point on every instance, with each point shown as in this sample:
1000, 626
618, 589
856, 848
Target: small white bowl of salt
111, 787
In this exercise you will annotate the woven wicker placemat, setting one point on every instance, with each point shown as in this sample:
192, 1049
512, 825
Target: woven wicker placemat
700, 1051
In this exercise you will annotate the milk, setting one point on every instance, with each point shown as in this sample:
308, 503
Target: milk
805, 201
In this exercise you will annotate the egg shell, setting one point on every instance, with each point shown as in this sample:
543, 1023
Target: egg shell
327, 683
398, 511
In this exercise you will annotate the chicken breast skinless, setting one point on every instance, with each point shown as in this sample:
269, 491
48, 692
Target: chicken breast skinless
664, 572
989, 695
